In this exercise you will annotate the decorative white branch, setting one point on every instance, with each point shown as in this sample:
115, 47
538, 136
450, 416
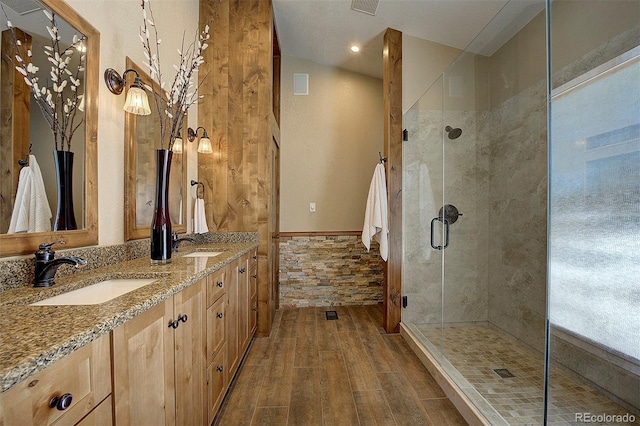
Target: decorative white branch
58, 99
172, 106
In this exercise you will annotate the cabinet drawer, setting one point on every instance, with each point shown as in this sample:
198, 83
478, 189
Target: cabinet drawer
84, 374
215, 286
216, 383
216, 318
101, 415
253, 316
253, 283
253, 259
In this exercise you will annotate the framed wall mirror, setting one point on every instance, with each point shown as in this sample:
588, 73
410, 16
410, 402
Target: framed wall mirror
142, 136
25, 130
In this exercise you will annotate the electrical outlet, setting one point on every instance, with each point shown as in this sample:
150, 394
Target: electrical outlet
312, 207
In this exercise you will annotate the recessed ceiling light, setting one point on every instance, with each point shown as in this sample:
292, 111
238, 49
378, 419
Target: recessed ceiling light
355, 49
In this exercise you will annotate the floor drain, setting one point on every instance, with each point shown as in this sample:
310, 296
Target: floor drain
504, 373
331, 315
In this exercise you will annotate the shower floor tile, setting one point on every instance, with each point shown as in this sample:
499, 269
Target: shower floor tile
476, 350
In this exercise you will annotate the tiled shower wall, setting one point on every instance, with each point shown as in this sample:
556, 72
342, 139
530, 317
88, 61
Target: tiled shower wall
329, 270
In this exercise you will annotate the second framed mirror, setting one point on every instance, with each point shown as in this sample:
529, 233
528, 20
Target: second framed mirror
142, 138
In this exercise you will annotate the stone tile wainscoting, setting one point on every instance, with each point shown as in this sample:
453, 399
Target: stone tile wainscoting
329, 269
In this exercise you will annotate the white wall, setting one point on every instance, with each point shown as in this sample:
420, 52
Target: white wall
118, 23
330, 144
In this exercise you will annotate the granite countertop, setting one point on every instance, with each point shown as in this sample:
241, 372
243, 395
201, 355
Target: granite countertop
33, 337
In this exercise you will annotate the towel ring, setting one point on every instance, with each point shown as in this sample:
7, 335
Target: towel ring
200, 185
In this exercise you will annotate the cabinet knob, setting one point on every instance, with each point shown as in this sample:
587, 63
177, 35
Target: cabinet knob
255, 257
254, 309
61, 403
183, 318
242, 270
219, 368
174, 324
255, 276
219, 284
219, 314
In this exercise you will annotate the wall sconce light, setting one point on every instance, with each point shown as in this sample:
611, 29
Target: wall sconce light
204, 146
137, 101
177, 143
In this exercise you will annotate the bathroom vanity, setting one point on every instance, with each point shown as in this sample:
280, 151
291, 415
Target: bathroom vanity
164, 353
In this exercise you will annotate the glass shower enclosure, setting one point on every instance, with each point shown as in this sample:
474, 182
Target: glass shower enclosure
521, 216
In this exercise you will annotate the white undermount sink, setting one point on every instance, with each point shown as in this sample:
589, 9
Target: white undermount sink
203, 254
97, 293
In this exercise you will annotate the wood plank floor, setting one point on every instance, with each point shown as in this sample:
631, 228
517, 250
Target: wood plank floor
312, 371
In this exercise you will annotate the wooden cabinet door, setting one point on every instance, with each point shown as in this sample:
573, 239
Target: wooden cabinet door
216, 318
232, 317
143, 368
217, 381
243, 304
189, 310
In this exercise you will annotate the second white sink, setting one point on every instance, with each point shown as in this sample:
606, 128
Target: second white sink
96, 293
203, 254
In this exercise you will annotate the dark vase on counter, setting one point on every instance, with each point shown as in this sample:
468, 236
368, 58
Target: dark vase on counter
65, 218
161, 223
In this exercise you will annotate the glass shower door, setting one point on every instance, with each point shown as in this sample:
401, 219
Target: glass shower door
422, 197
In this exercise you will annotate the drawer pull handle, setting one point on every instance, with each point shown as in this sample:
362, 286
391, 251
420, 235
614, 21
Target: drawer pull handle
219, 314
174, 324
255, 257
242, 270
219, 368
219, 284
183, 318
61, 403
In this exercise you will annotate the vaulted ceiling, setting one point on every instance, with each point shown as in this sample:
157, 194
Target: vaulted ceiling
323, 30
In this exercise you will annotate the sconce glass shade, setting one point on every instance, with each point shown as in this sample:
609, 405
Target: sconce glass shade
204, 146
177, 146
137, 101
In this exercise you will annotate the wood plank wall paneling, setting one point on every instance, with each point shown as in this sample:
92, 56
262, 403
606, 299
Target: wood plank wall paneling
392, 92
14, 126
263, 182
235, 194
213, 113
237, 81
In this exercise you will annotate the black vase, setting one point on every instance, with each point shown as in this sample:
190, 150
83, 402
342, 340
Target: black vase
161, 223
65, 218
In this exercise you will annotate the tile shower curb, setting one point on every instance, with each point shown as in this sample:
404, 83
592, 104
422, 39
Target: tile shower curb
460, 400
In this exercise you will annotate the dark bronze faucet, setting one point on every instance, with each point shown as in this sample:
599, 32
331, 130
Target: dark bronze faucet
175, 241
46, 265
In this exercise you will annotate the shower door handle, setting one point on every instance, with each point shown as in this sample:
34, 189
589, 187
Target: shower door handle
446, 233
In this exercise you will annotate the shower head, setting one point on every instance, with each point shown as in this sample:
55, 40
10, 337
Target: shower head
453, 133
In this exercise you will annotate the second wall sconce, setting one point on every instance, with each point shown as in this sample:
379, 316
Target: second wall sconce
137, 101
204, 146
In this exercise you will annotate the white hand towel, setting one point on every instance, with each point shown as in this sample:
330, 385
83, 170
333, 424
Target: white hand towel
20, 215
376, 225
199, 218
41, 210
31, 212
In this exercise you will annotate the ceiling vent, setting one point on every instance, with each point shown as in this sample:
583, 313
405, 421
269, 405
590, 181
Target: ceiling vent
22, 7
370, 7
